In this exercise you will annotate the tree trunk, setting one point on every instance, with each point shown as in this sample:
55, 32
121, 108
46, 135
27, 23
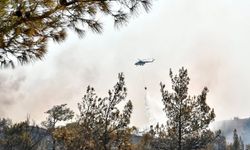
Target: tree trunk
179, 138
179, 128
53, 144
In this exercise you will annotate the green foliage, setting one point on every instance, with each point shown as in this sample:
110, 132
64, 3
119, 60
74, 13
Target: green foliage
103, 125
21, 136
27, 25
56, 114
101, 122
69, 136
188, 117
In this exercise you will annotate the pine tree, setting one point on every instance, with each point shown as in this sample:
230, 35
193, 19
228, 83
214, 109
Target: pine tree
27, 25
188, 117
236, 142
101, 124
56, 114
220, 141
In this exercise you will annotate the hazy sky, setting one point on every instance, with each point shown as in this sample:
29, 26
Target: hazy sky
209, 37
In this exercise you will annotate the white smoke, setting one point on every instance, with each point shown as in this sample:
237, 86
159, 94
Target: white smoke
151, 120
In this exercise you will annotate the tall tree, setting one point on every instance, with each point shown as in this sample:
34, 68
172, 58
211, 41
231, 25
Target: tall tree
236, 142
56, 114
101, 124
26, 25
220, 141
188, 117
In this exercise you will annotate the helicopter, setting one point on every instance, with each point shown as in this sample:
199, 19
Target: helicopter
142, 62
